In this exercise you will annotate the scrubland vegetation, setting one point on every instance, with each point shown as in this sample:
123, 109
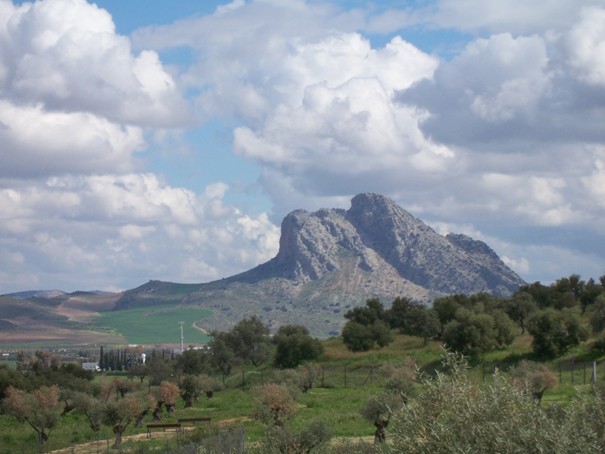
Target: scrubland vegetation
471, 374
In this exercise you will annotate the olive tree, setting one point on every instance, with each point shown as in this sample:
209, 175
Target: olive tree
41, 409
454, 414
273, 404
555, 331
362, 338
120, 414
421, 322
222, 356
379, 409
192, 362
357, 337
191, 389
536, 377
473, 332
248, 341
166, 395
597, 315
368, 314
520, 307
92, 409
295, 345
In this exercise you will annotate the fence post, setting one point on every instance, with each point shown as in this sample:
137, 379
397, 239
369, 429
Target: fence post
594, 372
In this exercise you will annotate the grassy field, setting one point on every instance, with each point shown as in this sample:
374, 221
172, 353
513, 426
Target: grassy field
337, 402
348, 380
156, 325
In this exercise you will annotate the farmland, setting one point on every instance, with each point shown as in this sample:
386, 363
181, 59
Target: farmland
85, 319
155, 325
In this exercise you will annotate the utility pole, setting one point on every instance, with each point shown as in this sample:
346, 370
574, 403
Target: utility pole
182, 338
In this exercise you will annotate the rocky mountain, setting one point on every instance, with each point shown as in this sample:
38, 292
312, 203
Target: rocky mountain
333, 259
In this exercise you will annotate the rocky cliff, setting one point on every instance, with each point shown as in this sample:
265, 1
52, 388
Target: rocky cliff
333, 259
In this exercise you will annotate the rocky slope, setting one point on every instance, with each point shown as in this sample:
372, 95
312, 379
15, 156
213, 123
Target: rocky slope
333, 259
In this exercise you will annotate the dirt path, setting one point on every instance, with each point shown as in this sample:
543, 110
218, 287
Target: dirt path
105, 445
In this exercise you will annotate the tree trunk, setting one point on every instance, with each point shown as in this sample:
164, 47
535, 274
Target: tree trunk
380, 436
537, 395
43, 436
157, 412
118, 431
171, 407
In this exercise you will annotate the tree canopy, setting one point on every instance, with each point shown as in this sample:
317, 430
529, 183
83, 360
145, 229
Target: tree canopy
295, 345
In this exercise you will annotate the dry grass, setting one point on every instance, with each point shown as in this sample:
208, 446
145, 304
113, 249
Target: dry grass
336, 351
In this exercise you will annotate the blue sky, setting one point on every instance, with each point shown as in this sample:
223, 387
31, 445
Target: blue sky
166, 140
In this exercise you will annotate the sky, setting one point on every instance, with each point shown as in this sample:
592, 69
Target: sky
153, 139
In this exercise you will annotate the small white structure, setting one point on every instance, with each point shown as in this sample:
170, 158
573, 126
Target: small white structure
94, 367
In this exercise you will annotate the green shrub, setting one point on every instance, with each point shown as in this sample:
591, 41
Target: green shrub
453, 415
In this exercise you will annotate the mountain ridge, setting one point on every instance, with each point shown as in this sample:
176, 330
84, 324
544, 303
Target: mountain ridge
333, 259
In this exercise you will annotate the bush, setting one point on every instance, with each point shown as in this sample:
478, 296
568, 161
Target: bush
452, 414
211, 440
310, 438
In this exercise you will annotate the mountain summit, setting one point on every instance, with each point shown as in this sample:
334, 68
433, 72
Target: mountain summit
333, 259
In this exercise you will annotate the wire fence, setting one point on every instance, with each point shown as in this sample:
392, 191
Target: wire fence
570, 372
345, 376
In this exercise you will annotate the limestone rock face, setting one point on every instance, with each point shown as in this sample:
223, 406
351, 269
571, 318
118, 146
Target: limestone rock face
381, 237
333, 259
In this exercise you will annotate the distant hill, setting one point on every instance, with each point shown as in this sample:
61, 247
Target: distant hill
49, 320
334, 259
35, 294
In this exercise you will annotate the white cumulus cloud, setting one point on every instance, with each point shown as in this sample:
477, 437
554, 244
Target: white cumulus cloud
504, 134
